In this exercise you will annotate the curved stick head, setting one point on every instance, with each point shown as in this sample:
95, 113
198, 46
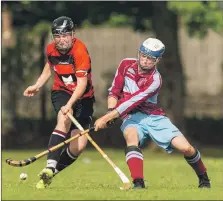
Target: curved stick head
7, 160
12, 162
21, 163
126, 186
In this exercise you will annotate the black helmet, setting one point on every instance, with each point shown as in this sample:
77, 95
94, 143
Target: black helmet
62, 25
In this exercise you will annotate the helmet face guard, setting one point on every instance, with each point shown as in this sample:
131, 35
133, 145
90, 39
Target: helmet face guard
152, 50
63, 33
63, 41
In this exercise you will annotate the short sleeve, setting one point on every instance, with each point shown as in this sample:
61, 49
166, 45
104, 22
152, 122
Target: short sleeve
82, 61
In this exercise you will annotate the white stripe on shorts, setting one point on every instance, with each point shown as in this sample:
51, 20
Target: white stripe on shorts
54, 133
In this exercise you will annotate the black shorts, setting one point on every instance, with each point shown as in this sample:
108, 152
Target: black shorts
82, 109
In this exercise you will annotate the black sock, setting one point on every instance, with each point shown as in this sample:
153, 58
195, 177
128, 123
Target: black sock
66, 159
196, 163
53, 157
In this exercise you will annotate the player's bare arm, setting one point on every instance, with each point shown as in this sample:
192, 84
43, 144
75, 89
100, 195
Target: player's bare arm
79, 91
112, 102
102, 122
44, 77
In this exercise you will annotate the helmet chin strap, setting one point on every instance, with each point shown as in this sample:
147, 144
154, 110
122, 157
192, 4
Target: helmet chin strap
156, 61
146, 67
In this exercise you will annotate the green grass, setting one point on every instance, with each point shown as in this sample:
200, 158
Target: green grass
92, 178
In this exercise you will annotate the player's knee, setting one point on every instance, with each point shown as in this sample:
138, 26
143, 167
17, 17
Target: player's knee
75, 150
188, 150
75, 132
77, 146
63, 120
131, 136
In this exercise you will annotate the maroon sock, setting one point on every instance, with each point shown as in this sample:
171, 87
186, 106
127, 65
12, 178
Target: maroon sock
196, 163
134, 159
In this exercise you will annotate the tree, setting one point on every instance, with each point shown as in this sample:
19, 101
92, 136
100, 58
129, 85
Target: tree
165, 25
164, 18
199, 16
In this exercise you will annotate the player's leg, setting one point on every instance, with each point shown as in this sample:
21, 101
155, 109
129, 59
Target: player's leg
193, 158
83, 112
168, 136
59, 99
71, 153
133, 134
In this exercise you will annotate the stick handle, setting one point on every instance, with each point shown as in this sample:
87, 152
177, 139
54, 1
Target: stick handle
54, 148
30, 160
124, 179
76, 123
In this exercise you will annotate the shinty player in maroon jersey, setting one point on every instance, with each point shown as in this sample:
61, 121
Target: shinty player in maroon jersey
133, 97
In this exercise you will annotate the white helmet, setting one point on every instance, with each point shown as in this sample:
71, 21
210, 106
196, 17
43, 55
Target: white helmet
152, 47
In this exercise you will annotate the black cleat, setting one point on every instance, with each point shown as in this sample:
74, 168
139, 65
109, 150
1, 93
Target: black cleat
138, 184
204, 181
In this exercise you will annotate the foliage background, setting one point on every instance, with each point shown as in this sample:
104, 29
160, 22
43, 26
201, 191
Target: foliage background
196, 109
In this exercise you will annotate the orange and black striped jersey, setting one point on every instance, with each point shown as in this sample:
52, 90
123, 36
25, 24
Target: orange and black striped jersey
67, 67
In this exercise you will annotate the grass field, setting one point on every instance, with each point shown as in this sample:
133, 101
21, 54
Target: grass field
91, 178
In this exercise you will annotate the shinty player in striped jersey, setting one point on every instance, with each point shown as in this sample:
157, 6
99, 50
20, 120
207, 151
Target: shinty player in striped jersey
133, 97
72, 91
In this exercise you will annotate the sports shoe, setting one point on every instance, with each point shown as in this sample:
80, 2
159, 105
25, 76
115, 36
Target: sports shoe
138, 184
204, 183
46, 176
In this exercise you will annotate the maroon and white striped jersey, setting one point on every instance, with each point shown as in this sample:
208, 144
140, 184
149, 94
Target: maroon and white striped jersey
136, 92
